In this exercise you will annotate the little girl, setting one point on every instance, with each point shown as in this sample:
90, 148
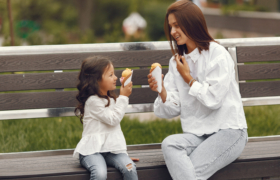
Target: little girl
100, 112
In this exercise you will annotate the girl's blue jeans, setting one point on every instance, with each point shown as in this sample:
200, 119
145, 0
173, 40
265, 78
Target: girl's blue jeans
191, 157
97, 163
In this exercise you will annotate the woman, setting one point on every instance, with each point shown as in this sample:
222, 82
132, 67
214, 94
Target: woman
200, 86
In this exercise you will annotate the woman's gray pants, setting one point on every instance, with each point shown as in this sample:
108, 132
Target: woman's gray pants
191, 157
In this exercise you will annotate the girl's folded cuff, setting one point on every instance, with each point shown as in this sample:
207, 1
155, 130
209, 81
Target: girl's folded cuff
123, 97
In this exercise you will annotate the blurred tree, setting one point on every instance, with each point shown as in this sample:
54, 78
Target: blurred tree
82, 21
108, 17
155, 16
57, 20
85, 8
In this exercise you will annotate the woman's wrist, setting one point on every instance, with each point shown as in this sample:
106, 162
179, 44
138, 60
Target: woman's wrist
191, 83
187, 78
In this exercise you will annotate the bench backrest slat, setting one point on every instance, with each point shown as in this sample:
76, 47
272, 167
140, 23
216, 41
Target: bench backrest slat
37, 100
259, 71
44, 62
258, 53
33, 81
260, 89
259, 63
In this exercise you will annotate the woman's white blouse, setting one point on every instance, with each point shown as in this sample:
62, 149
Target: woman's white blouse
213, 102
101, 126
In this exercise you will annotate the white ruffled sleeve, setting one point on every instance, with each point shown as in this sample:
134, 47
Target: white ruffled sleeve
213, 90
171, 107
112, 115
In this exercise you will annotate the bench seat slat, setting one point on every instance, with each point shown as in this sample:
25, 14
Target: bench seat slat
258, 53
253, 151
252, 148
62, 177
246, 170
155, 174
58, 165
49, 153
17, 82
67, 166
68, 157
260, 151
259, 71
265, 143
263, 156
233, 171
44, 62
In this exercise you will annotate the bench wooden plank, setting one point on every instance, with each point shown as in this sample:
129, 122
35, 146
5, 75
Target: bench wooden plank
155, 174
265, 151
259, 89
159, 173
226, 170
264, 138
46, 153
150, 159
254, 169
263, 154
35, 81
43, 62
259, 71
37, 100
84, 176
63, 167
162, 173
253, 151
258, 53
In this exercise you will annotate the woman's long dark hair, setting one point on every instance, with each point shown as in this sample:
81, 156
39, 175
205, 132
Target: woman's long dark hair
192, 22
91, 73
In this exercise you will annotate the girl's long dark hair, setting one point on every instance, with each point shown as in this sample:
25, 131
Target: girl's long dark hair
192, 22
91, 73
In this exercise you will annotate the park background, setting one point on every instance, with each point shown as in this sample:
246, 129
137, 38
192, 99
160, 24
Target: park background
101, 21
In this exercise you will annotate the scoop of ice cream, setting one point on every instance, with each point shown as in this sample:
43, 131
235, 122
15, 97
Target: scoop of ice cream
126, 72
154, 66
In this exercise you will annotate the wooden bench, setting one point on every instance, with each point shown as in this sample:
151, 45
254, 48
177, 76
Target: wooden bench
260, 159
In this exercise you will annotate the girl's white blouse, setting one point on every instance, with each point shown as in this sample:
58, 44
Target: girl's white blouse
213, 102
101, 126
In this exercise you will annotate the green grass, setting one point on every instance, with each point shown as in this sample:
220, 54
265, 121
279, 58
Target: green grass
64, 133
263, 120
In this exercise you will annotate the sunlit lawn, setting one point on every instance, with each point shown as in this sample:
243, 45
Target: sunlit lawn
64, 133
